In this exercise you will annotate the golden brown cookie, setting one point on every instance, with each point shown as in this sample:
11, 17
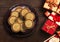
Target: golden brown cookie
18, 9
30, 16
16, 27
11, 20
15, 13
29, 24
25, 11
20, 21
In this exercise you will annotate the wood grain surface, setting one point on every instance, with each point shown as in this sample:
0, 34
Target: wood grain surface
37, 36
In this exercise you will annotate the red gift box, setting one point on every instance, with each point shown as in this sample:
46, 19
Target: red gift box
51, 4
49, 27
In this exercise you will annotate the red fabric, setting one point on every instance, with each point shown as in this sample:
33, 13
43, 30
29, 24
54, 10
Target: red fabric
49, 27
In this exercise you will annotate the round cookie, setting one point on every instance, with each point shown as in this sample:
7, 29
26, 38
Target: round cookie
25, 11
30, 16
16, 27
20, 21
15, 13
11, 20
18, 9
29, 24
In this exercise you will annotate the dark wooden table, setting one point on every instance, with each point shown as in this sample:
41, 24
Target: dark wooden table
37, 36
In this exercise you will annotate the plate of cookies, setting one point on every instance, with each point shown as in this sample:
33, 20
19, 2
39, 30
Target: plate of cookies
21, 20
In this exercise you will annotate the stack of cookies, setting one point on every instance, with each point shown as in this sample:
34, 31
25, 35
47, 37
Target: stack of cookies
21, 19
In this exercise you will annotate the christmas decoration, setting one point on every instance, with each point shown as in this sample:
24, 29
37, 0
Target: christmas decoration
52, 5
49, 27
